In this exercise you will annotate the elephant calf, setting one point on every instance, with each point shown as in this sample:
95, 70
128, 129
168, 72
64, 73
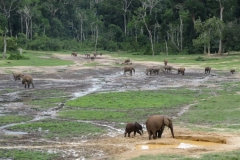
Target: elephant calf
92, 58
128, 69
74, 54
17, 76
156, 70
149, 70
88, 55
232, 71
133, 127
181, 70
168, 68
207, 70
27, 80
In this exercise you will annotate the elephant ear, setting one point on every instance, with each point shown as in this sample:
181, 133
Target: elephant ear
167, 121
137, 125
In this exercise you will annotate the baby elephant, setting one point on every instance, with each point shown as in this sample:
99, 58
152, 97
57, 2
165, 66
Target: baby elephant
74, 54
181, 70
128, 69
149, 70
133, 127
232, 71
17, 76
168, 68
27, 80
165, 62
92, 58
155, 70
207, 70
88, 55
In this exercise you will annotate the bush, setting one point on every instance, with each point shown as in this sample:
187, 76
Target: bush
199, 58
17, 56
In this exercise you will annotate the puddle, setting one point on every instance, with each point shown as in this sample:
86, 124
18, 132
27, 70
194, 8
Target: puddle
178, 143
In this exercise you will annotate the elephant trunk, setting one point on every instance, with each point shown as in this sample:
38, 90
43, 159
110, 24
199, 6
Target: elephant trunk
172, 131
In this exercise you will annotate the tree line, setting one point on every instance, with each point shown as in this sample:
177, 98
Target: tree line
145, 26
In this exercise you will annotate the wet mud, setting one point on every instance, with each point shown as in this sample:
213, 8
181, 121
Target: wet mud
78, 80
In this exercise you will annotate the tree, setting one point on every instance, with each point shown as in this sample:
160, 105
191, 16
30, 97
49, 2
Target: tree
7, 6
126, 4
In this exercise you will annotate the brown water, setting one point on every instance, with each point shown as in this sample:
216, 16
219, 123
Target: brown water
179, 143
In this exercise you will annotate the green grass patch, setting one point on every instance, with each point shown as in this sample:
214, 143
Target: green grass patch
233, 155
93, 115
220, 111
35, 59
49, 128
46, 103
135, 99
8, 119
27, 155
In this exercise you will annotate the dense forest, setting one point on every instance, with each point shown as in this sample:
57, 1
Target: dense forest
145, 26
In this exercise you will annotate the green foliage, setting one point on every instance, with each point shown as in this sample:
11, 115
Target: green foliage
26, 155
22, 40
49, 128
17, 56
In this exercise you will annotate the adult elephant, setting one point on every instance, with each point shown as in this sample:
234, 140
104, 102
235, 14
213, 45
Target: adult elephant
156, 124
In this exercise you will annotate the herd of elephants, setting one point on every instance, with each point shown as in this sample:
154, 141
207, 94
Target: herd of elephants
155, 124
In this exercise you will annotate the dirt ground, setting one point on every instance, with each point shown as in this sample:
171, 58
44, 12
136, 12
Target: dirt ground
78, 80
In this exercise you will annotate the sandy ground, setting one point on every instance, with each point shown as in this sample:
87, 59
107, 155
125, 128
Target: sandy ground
109, 77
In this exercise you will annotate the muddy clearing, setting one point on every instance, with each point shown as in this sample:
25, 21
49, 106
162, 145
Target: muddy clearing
78, 80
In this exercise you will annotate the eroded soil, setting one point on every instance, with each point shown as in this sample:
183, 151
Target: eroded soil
78, 80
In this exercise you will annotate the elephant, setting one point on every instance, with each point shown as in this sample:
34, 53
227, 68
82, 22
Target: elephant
155, 125
74, 54
27, 80
165, 62
100, 54
92, 58
133, 127
17, 76
95, 54
149, 70
181, 70
128, 69
127, 61
88, 55
232, 71
207, 70
155, 70
168, 68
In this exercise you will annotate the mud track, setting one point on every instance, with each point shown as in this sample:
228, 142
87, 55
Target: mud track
78, 80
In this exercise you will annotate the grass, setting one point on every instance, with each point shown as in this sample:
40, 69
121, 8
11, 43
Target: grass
129, 106
233, 155
221, 111
26, 155
135, 99
8, 119
49, 128
36, 59
47, 98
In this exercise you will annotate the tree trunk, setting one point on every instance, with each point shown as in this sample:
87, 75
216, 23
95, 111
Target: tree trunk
96, 38
150, 36
125, 22
5, 44
181, 34
220, 40
166, 47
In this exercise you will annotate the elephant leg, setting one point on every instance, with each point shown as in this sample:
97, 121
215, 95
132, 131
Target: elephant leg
125, 134
155, 135
32, 85
134, 133
128, 134
139, 132
149, 135
28, 85
160, 132
131, 72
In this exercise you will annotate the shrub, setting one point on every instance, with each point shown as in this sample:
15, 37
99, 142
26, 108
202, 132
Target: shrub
17, 56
